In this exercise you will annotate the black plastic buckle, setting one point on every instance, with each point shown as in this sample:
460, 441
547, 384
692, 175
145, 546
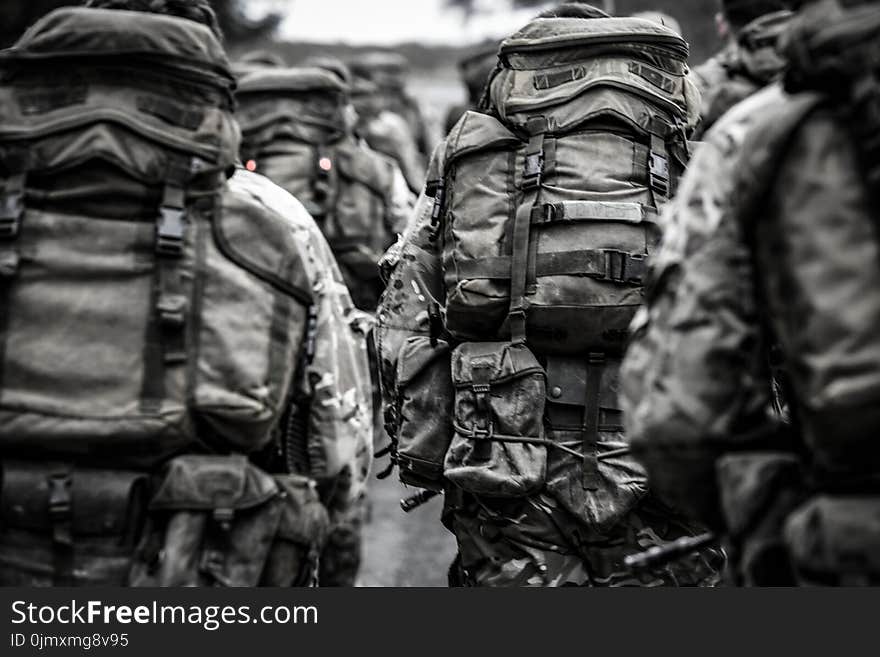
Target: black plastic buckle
533, 169
170, 231
439, 198
659, 174
172, 310
480, 433
623, 267
546, 213
11, 211
59, 497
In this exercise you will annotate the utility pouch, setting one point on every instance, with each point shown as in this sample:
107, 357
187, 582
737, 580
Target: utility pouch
758, 492
424, 401
302, 531
835, 541
499, 448
215, 521
67, 526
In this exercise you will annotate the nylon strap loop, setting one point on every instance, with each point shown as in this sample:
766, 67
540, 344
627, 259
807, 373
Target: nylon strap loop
522, 260
590, 428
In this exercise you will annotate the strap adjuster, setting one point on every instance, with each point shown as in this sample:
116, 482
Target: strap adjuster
623, 267
533, 169
658, 168
11, 211
481, 433
59, 497
170, 230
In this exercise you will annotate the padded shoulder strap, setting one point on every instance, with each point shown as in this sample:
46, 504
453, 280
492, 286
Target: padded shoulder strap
261, 241
476, 132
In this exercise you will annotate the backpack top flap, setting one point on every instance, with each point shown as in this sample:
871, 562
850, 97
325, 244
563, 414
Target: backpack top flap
553, 61
302, 104
78, 32
476, 132
259, 240
69, 95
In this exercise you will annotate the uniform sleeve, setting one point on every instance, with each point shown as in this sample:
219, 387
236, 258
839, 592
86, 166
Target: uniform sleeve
692, 375
401, 201
338, 376
415, 286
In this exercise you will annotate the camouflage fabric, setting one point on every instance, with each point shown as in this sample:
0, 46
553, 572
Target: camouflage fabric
416, 283
742, 68
338, 379
534, 543
678, 385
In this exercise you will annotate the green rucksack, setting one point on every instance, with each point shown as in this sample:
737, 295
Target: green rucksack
584, 142
294, 132
149, 307
545, 210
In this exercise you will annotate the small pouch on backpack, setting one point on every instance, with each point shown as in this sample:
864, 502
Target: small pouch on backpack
499, 448
63, 525
423, 400
302, 532
213, 522
835, 541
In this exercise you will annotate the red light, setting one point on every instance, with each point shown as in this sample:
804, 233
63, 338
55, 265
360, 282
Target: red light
325, 163
251, 165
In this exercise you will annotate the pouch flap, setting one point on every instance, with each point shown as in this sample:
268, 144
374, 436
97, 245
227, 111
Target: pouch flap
101, 502
260, 240
837, 536
477, 132
492, 362
750, 482
363, 167
303, 518
295, 80
206, 483
113, 33
555, 33
416, 356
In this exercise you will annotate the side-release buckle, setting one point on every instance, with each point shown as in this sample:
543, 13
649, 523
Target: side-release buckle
534, 167
170, 230
659, 173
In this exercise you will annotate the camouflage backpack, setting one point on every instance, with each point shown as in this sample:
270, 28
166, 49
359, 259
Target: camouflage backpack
148, 307
808, 187
545, 208
295, 133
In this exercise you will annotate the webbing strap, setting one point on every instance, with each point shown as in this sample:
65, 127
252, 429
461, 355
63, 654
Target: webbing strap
658, 163
590, 428
602, 264
522, 260
165, 337
60, 482
576, 211
11, 215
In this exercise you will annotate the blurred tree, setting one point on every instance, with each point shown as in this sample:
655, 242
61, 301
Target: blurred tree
237, 25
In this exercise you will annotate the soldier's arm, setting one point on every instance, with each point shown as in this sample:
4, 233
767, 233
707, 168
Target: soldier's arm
690, 377
415, 294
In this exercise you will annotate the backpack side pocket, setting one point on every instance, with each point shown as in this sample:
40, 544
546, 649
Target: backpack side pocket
423, 400
499, 448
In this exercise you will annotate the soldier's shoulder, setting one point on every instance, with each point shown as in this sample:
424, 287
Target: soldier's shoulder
730, 131
285, 209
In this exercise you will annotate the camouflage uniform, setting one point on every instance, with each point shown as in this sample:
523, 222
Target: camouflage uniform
683, 385
741, 69
760, 286
337, 382
533, 541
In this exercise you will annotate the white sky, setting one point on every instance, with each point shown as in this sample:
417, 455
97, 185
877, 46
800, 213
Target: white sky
395, 21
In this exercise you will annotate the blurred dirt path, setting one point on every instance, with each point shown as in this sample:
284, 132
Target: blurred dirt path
403, 549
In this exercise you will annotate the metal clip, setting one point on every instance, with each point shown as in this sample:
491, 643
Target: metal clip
534, 167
